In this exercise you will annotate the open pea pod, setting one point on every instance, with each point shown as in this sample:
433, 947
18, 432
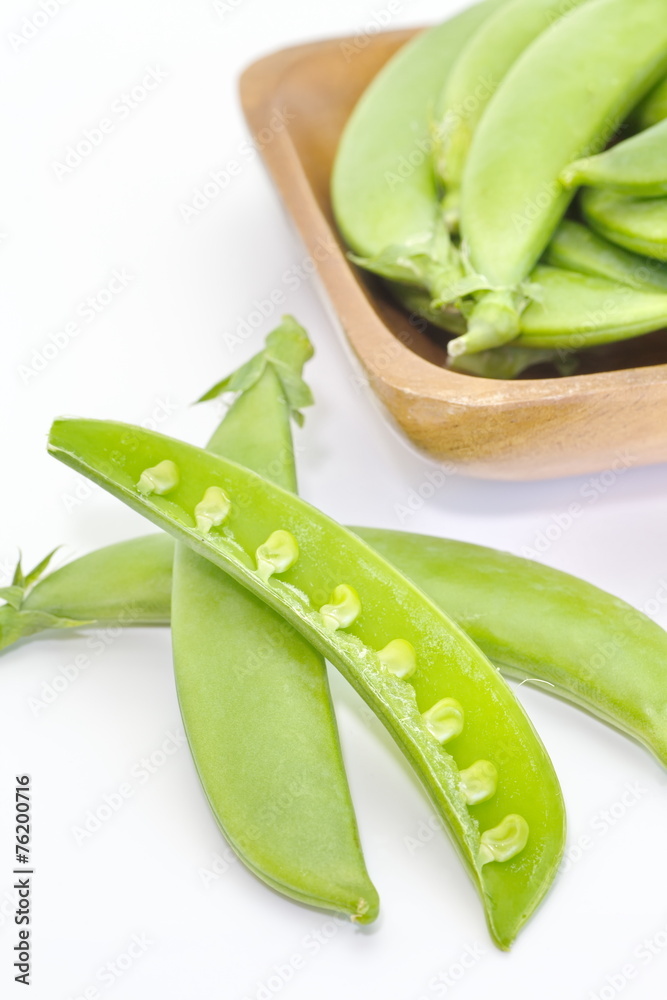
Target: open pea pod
584, 645
494, 785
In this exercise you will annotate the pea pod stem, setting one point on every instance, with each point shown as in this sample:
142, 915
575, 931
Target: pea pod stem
449, 665
567, 647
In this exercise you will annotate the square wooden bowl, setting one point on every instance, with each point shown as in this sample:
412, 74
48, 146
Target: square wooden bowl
297, 102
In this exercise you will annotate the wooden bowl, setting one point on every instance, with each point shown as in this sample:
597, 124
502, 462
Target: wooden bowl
615, 410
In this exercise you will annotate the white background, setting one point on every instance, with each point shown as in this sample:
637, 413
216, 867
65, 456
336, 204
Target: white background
145, 357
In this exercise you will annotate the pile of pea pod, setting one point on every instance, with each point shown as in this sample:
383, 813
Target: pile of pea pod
259, 587
505, 174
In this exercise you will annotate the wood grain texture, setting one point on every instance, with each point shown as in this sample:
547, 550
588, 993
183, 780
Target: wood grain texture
297, 102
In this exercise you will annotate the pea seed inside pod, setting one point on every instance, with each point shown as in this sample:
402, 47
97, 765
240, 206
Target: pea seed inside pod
343, 609
479, 782
160, 479
212, 509
398, 658
504, 841
445, 719
277, 554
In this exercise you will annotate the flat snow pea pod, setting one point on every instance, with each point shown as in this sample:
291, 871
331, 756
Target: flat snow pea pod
479, 70
653, 108
587, 646
575, 311
253, 693
578, 248
557, 103
377, 628
637, 166
637, 224
383, 189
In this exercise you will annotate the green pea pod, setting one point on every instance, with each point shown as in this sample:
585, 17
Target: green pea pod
637, 166
418, 671
383, 189
653, 108
578, 248
479, 70
559, 102
583, 644
253, 694
575, 311
637, 224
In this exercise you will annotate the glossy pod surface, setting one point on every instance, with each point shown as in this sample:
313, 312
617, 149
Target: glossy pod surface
337, 579
384, 192
254, 694
574, 311
637, 166
557, 103
637, 224
597, 651
580, 249
477, 74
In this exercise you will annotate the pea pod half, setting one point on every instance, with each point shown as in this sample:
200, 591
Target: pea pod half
586, 645
418, 671
559, 102
653, 108
637, 224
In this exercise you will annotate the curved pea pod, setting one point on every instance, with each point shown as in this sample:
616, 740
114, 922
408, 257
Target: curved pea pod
559, 102
384, 193
254, 695
637, 166
575, 311
586, 646
578, 248
653, 108
351, 605
479, 70
637, 224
